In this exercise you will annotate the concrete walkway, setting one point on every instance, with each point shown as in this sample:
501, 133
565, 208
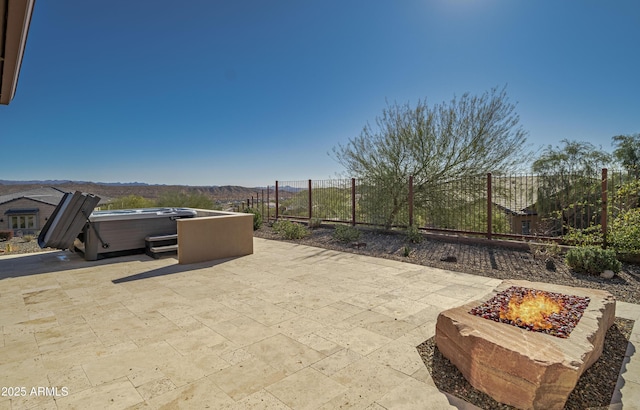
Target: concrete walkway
290, 326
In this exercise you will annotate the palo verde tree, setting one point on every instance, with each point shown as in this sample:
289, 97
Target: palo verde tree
569, 188
465, 137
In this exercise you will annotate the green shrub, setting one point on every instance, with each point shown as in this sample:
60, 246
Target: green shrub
27, 238
291, 230
346, 233
584, 237
257, 217
315, 223
624, 235
6, 235
592, 260
406, 251
413, 234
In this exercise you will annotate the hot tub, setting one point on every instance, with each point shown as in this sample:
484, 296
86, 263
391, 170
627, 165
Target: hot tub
97, 234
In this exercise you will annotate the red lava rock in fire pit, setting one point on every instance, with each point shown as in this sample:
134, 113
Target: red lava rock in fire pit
522, 368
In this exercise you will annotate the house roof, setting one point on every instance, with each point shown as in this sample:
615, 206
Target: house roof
47, 195
516, 194
15, 18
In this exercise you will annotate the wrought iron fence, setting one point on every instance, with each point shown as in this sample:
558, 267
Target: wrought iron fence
489, 205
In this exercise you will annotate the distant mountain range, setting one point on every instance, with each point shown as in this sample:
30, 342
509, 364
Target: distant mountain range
110, 190
51, 182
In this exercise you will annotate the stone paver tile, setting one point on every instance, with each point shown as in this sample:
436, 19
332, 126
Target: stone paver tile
417, 291
628, 311
354, 399
32, 325
366, 300
19, 347
199, 338
246, 378
84, 354
261, 399
188, 368
139, 365
285, 353
34, 400
306, 389
117, 394
360, 340
441, 301
244, 331
216, 314
381, 324
297, 326
413, 394
367, 374
27, 372
631, 366
155, 388
336, 361
328, 315
318, 343
72, 377
461, 292
428, 315
399, 356
267, 313
236, 356
64, 337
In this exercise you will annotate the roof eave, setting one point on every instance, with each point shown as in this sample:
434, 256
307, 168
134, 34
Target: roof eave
14, 30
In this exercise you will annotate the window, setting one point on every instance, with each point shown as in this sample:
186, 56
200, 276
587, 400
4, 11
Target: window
22, 222
526, 227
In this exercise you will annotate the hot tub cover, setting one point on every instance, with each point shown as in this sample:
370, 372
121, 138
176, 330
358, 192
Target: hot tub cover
67, 220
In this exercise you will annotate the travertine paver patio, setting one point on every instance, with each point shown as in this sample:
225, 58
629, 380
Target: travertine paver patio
290, 326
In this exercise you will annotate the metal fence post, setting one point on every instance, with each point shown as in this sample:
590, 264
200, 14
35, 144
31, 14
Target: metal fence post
353, 201
410, 200
489, 206
277, 208
268, 205
310, 203
603, 215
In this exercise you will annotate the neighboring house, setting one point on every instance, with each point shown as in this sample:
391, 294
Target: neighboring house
26, 212
517, 197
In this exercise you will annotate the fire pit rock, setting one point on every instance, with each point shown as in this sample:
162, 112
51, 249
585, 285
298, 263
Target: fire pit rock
522, 368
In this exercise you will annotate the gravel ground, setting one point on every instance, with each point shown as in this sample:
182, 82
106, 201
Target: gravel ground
596, 386
478, 259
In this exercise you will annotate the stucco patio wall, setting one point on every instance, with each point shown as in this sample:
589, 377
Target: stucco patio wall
214, 235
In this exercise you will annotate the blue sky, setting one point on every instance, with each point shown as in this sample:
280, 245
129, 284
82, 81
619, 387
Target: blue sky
211, 92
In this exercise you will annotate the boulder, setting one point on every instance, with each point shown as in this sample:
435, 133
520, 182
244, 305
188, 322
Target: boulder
522, 368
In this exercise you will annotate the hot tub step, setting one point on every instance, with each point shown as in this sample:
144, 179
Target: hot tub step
156, 245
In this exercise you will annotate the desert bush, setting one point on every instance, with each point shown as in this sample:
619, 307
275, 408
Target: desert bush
27, 238
6, 235
624, 235
592, 260
315, 223
413, 234
590, 236
291, 230
346, 233
544, 249
257, 217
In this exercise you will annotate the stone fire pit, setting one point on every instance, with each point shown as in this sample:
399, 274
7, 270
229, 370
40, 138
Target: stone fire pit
520, 367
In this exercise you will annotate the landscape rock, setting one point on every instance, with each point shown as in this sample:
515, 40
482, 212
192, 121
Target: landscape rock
608, 274
521, 368
449, 258
550, 264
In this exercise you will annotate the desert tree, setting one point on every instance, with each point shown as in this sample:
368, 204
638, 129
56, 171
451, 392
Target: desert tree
466, 137
627, 152
569, 188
